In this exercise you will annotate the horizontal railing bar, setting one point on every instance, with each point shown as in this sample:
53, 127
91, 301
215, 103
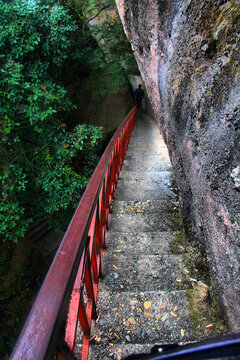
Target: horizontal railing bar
38, 339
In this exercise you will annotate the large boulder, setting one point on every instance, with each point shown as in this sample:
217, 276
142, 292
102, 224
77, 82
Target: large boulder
188, 55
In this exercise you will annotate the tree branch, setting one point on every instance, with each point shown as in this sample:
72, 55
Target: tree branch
92, 18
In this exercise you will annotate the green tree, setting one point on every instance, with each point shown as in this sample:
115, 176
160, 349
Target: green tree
40, 174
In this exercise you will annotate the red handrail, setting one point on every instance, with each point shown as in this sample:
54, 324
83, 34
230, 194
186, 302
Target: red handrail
69, 291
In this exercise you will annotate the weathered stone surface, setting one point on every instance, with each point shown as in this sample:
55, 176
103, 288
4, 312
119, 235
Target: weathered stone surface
151, 272
124, 315
155, 243
188, 55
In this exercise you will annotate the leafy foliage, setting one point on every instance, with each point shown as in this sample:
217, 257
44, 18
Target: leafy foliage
38, 177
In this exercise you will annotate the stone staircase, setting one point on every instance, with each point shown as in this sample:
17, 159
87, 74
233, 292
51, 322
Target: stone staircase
141, 299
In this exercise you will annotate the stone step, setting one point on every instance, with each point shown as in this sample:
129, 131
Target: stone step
151, 188
117, 351
148, 137
143, 157
135, 272
141, 222
144, 207
153, 243
135, 148
165, 174
145, 132
124, 318
146, 140
148, 148
152, 165
144, 153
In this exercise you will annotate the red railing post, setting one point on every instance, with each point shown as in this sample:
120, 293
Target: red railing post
89, 288
108, 190
94, 264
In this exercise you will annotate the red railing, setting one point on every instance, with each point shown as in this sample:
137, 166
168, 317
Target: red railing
69, 292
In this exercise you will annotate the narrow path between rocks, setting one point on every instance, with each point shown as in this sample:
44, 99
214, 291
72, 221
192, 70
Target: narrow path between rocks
141, 299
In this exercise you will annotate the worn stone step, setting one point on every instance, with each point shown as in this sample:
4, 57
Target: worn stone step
124, 319
141, 222
165, 174
143, 216
151, 243
146, 140
146, 127
157, 207
144, 157
151, 188
143, 165
143, 272
138, 146
117, 351
146, 153
144, 150
147, 137
145, 130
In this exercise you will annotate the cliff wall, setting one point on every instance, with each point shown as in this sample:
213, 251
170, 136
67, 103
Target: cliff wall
188, 55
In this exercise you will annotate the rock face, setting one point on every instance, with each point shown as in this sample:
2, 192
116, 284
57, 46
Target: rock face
188, 55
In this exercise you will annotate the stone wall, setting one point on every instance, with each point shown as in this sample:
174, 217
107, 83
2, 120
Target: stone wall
188, 55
